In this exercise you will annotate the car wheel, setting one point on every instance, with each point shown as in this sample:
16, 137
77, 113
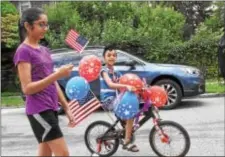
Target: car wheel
174, 93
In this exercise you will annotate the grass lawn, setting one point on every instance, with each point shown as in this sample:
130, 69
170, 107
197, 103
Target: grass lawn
12, 101
5, 94
215, 87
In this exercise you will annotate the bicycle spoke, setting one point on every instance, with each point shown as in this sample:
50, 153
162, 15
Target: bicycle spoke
176, 144
106, 145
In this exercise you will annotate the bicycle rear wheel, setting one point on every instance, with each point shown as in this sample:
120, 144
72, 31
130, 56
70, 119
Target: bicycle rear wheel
105, 147
175, 142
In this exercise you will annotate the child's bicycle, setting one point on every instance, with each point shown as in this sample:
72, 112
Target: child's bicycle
166, 138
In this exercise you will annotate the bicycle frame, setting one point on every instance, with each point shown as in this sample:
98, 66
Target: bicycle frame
152, 112
148, 111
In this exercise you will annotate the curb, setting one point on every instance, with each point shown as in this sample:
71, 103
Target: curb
209, 95
12, 110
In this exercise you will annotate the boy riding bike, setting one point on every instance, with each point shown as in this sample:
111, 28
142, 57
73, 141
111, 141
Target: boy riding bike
109, 90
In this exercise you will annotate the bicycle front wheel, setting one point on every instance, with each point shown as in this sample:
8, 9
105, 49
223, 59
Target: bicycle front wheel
175, 140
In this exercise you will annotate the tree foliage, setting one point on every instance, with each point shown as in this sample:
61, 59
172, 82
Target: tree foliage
8, 8
9, 30
216, 20
9, 22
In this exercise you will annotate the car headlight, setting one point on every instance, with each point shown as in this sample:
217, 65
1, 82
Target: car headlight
191, 71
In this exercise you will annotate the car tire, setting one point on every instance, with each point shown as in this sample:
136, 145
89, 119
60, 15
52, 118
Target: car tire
174, 93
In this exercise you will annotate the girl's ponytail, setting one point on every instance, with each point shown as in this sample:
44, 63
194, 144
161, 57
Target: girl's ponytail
22, 31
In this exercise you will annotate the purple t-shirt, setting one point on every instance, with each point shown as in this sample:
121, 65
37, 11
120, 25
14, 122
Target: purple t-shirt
41, 67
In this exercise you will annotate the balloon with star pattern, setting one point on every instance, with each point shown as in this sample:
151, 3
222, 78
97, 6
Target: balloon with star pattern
90, 67
128, 106
132, 80
77, 88
158, 96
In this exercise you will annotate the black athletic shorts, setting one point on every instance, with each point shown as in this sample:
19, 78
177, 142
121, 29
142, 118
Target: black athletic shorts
45, 126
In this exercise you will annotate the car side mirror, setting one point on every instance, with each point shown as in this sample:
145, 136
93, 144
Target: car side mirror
130, 63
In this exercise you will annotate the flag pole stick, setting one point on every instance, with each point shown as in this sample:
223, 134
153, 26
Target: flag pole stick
84, 47
106, 111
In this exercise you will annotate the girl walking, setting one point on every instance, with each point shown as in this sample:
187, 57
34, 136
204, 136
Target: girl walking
39, 83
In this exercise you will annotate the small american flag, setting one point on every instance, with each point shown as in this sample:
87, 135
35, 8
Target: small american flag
76, 41
82, 108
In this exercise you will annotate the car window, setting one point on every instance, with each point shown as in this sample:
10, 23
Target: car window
123, 58
83, 54
61, 50
120, 59
67, 56
63, 60
98, 53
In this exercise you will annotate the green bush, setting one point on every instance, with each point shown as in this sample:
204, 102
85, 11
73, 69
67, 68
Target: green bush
200, 51
217, 18
116, 32
62, 17
9, 25
160, 29
9, 30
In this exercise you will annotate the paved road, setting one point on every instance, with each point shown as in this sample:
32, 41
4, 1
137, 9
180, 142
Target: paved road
202, 117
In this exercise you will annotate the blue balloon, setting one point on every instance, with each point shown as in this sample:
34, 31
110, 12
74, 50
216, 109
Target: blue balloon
128, 106
77, 88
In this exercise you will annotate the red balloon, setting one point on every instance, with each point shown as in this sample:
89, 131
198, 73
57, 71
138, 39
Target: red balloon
90, 67
158, 96
145, 94
132, 80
